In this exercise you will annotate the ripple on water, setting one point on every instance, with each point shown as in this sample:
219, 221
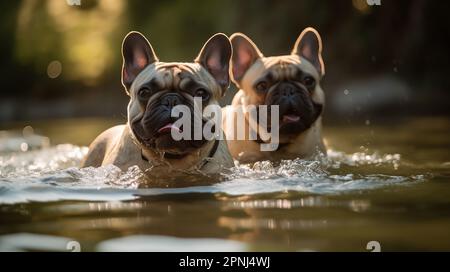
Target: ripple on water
52, 174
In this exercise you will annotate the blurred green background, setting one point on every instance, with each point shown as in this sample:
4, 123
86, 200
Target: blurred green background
63, 61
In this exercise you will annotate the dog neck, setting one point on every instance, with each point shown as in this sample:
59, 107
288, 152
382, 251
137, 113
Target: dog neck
199, 166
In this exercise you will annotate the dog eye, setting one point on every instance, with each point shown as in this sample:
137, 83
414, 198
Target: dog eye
144, 93
309, 82
261, 87
202, 93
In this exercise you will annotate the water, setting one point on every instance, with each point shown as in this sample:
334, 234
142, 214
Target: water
387, 183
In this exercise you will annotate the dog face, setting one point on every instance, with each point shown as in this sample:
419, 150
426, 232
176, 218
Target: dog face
292, 81
156, 87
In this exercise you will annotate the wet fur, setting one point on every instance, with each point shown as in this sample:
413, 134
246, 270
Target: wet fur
123, 145
303, 145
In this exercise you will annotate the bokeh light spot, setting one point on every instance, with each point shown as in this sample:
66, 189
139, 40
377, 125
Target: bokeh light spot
54, 69
361, 5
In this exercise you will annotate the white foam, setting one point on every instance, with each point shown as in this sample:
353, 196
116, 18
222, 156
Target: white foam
52, 174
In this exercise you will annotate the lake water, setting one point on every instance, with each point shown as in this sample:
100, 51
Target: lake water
389, 184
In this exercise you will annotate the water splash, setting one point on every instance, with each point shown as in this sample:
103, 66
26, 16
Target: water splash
40, 162
52, 174
336, 159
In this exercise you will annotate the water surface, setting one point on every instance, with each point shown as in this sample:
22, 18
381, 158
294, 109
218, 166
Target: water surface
385, 183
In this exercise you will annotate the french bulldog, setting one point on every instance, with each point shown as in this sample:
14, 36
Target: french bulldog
155, 88
290, 81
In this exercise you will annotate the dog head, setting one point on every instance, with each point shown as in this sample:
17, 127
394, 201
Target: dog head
291, 81
156, 87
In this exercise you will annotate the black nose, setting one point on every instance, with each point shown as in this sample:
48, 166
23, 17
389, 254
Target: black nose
170, 100
288, 90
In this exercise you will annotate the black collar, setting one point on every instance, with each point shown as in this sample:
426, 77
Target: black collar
212, 152
202, 164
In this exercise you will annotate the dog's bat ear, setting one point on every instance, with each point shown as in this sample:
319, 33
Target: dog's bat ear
215, 58
245, 53
309, 46
137, 54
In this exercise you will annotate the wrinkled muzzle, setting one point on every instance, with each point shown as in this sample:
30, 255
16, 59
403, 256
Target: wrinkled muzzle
154, 129
297, 110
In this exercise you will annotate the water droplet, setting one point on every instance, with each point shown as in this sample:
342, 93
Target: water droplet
24, 147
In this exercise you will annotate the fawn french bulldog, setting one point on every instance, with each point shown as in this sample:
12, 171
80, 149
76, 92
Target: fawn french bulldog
155, 88
291, 82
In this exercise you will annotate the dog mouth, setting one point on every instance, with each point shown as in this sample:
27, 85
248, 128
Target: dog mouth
161, 139
294, 119
171, 148
291, 123
169, 128
290, 115
297, 110
290, 118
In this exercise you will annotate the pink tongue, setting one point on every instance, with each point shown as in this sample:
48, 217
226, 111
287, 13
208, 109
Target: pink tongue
168, 128
290, 118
